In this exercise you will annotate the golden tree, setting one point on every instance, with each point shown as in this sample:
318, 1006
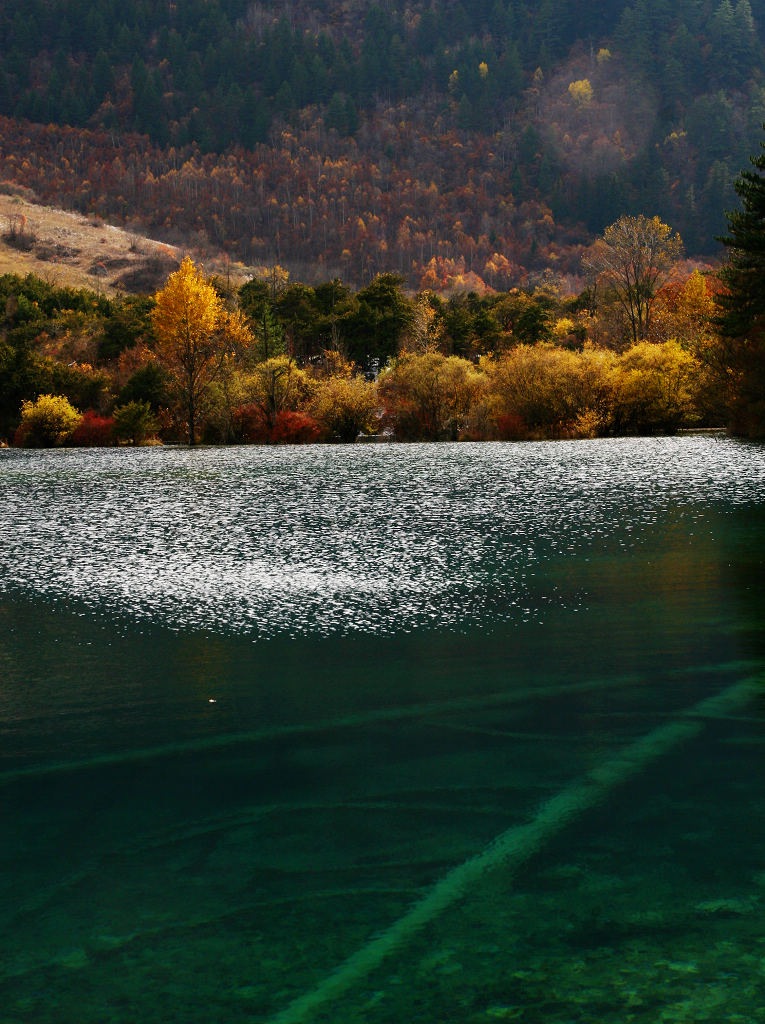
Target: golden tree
581, 93
196, 334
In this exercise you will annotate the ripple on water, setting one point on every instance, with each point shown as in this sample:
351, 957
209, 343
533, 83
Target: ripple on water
328, 540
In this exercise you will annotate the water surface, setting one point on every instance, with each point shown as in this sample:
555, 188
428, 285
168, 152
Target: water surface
383, 733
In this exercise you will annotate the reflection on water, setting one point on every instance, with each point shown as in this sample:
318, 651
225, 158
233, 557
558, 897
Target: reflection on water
319, 541
455, 732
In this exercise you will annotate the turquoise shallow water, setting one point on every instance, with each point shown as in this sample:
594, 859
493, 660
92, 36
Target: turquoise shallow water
391, 733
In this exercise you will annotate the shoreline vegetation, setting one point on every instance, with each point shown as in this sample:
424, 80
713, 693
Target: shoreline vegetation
637, 352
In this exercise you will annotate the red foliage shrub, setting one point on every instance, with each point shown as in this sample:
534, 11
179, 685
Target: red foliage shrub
295, 428
250, 424
93, 431
511, 427
21, 435
289, 427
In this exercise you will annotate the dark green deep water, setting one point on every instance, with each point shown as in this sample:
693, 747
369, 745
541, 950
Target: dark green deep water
374, 734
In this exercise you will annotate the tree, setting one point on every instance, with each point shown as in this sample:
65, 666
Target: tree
276, 385
195, 334
382, 316
741, 304
269, 335
149, 383
581, 93
632, 259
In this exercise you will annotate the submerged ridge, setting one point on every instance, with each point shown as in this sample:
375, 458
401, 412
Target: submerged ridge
519, 843
221, 741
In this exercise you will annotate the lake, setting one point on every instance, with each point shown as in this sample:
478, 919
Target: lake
383, 733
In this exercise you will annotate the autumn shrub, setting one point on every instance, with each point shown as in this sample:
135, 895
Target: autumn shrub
134, 422
47, 422
344, 407
18, 235
294, 428
250, 424
93, 431
277, 385
510, 426
428, 397
654, 389
545, 391
533, 385
288, 427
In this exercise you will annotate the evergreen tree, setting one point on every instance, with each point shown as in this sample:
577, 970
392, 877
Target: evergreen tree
269, 335
741, 306
103, 77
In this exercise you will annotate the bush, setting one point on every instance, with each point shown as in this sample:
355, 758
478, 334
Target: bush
93, 431
654, 389
289, 427
544, 391
134, 422
277, 385
294, 428
428, 397
511, 427
250, 424
345, 407
48, 422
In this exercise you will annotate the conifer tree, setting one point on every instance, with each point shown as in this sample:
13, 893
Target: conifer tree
741, 305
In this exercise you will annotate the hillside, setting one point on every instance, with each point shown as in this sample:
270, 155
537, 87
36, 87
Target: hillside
74, 251
492, 139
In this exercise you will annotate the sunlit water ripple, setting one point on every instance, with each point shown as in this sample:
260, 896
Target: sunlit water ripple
332, 540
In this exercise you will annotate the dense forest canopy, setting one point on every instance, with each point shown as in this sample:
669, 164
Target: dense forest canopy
378, 137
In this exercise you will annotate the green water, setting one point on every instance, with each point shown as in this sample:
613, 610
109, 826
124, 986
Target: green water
383, 734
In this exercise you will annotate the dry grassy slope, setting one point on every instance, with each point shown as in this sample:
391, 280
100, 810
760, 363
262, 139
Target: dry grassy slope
78, 251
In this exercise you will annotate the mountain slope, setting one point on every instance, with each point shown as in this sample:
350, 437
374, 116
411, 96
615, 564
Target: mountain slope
342, 138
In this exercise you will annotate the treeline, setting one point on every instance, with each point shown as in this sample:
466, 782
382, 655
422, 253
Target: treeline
372, 139
530, 393
330, 363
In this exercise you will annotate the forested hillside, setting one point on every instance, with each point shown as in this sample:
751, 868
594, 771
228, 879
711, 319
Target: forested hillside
447, 141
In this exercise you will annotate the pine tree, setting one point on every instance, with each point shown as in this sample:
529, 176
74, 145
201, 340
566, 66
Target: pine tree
741, 305
269, 335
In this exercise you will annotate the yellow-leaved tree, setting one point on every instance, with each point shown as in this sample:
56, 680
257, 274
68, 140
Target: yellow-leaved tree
581, 93
196, 335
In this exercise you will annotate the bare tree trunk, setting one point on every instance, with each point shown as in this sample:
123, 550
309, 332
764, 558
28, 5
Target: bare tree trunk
192, 416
